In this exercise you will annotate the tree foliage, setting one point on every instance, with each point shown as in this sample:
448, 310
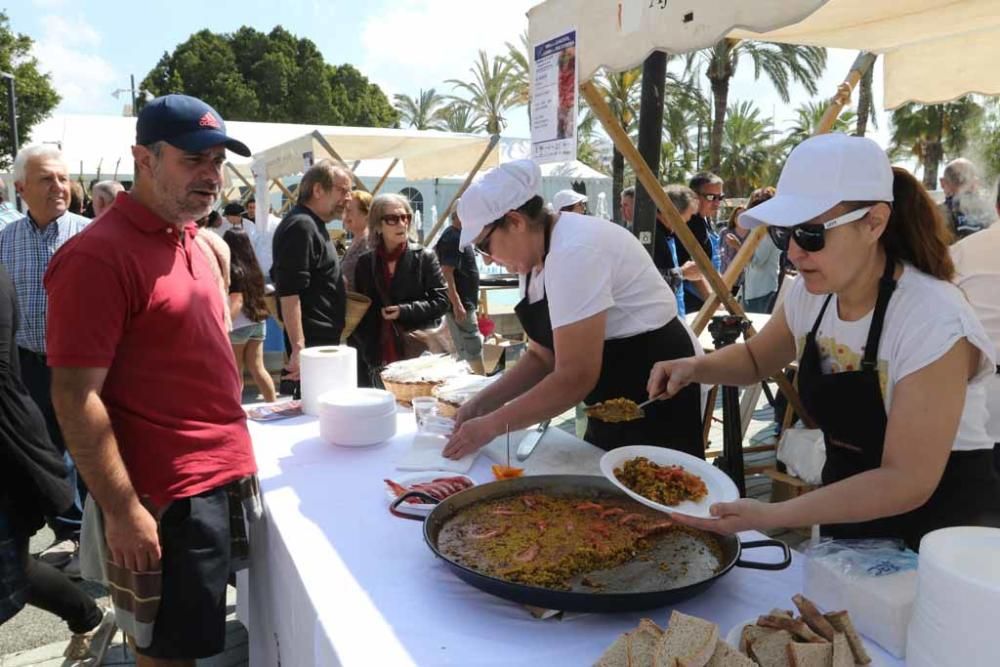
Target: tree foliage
749, 159
932, 132
420, 112
491, 92
35, 96
273, 77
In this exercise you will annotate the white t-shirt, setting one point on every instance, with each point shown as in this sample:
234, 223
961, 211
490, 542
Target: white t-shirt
595, 266
977, 261
924, 319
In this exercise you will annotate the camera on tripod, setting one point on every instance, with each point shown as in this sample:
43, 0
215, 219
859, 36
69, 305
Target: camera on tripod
726, 329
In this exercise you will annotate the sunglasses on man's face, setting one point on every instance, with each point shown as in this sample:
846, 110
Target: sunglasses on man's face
708, 196
811, 237
394, 219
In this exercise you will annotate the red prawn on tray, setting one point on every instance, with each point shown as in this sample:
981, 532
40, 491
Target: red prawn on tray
439, 485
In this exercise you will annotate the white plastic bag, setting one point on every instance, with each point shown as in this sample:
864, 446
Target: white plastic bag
803, 452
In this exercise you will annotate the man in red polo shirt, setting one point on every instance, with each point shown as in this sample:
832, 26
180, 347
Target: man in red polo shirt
145, 384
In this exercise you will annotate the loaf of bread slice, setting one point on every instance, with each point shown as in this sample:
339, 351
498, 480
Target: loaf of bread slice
726, 656
635, 648
810, 655
813, 618
772, 650
842, 654
752, 632
617, 654
841, 621
688, 642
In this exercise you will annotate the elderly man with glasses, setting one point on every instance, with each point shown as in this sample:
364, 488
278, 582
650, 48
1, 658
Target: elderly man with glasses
708, 187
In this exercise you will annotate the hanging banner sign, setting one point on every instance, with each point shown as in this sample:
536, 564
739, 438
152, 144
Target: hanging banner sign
554, 100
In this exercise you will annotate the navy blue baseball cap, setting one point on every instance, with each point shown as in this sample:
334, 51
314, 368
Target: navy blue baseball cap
186, 123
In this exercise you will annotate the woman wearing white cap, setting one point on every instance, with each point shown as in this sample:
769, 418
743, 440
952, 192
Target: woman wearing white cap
570, 201
597, 313
892, 360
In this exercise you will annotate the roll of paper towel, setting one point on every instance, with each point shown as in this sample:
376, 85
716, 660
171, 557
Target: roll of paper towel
326, 368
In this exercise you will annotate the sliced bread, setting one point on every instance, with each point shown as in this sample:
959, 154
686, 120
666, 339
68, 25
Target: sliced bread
643, 643
688, 642
841, 621
617, 654
772, 650
752, 632
813, 618
810, 655
842, 654
726, 656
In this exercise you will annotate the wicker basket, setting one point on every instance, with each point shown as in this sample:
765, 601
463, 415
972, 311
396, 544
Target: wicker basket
447, 409
407, 391
357, 306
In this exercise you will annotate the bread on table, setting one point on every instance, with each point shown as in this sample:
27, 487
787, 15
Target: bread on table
752, 633
813, 617
809, 655
771, 650
842, 622
842, 654
726, 656
633, 649
688, 642
793, 625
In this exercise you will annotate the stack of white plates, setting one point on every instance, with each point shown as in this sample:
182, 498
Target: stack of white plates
357, 417
958, 598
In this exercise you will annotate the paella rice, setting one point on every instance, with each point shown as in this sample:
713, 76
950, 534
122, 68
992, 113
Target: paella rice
667, 485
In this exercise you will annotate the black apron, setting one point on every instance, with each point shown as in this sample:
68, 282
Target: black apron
849, 409
624, 372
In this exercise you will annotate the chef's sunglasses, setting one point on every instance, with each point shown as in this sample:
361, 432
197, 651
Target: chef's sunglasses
394, 219
483, 245
812, 237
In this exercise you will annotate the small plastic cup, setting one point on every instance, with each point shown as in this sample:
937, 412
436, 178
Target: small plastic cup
424, 407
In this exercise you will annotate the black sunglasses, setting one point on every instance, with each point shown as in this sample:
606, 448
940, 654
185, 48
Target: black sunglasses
709, 196
812, 237
483, 245
394, 219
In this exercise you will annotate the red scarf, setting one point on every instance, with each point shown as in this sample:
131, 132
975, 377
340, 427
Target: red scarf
388, 342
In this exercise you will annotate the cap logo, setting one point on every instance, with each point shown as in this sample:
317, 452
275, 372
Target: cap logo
208, 120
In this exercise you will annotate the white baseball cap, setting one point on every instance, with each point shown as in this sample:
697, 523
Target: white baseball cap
503, 189
820, 173
566, 198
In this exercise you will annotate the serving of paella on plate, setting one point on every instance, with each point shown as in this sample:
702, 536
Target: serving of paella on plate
665, 484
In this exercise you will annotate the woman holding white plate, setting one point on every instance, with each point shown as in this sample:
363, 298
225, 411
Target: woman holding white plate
892, 360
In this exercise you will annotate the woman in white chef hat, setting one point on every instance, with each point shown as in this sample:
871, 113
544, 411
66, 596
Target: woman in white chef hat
892, 360
597, 313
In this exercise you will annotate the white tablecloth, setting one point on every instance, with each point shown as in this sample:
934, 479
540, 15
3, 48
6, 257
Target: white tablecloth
335, 579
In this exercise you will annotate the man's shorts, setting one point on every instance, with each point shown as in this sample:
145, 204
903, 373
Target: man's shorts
195, 542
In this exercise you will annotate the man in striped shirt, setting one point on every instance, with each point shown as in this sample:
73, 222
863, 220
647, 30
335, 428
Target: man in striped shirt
41, 178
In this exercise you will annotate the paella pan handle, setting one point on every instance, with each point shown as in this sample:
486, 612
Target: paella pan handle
785, 561
394, 507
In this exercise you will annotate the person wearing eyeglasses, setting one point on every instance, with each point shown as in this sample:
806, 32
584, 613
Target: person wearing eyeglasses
570, 201
405, 283
892, 360
596, 312
708, 187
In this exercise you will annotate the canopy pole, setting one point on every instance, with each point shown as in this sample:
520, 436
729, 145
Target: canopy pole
281, 186
321, 140
842, 98
643, 174
251, 189
654, 72
385, 176
494, 140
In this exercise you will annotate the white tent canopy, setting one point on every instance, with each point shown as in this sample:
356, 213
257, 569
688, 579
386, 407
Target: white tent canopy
934, 50
423, 154
619, 35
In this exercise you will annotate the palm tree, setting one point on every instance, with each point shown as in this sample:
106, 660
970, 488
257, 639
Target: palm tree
866, 104
929, 132
685, 107
519, 58
782, 63
747, 153
419, 112
808, 117
621, 91
457, 118
491, 92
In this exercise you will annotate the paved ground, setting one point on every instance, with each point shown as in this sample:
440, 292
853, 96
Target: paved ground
37, 638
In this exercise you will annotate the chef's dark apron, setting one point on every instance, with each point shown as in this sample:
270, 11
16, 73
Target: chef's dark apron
849, 409
675, 423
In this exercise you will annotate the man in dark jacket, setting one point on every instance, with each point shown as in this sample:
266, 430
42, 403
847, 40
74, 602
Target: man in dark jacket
306, 269
708, 187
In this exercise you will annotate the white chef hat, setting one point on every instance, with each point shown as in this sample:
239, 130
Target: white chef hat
503, 189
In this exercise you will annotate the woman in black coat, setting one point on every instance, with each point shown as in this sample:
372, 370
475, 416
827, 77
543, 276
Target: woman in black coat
404, 282
33, 484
